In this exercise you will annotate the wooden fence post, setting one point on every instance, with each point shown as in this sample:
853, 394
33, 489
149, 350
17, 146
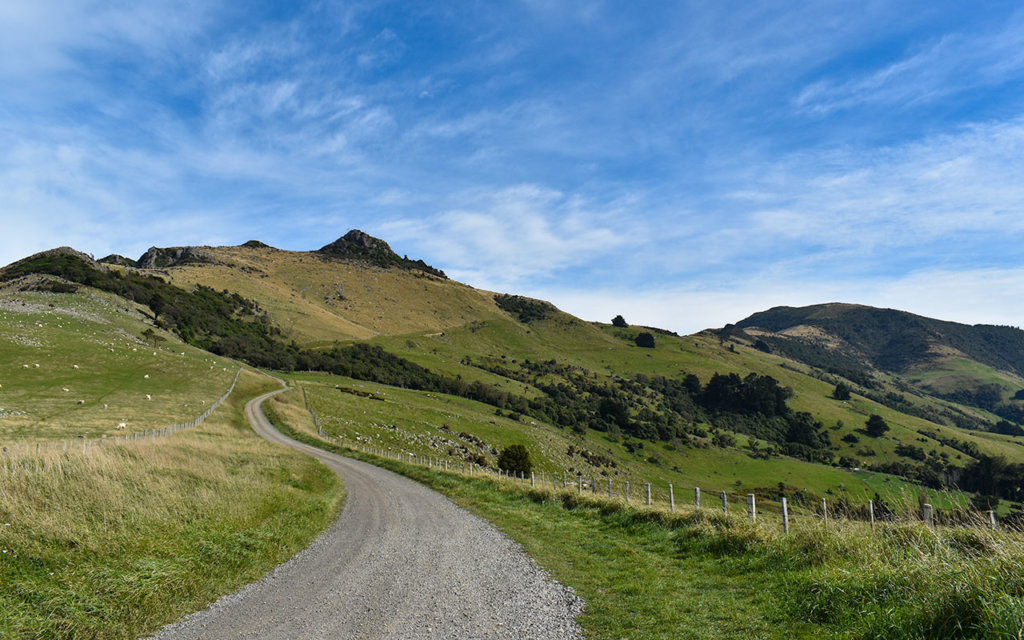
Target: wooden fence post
627, 491
752, 507
579, 483
725, 503
671, 499
593, 486
533, 479
647, 486
696, 496
928, 515
785, 516
992, 519
609, 488
871, 512
824, 510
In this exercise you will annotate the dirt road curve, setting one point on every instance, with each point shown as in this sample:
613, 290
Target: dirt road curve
400, 562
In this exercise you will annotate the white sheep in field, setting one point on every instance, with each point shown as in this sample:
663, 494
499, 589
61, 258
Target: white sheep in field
24, 366
74, 366
121, 425
65, 389
149, 397
104, 406
146, 376
35, 366
81, 402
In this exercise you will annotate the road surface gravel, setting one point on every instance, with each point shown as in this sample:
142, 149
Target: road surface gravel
402, 562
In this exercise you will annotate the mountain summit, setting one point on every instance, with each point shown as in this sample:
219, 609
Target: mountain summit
358, 245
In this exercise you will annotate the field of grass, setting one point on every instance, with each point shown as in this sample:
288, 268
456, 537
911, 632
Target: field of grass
610, 351
116, 542
90, 344
402, 420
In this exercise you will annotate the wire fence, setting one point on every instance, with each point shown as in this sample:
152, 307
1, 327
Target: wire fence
780, 511
87, 444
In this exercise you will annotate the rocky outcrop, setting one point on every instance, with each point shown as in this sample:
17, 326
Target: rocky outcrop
159, 258
358, 245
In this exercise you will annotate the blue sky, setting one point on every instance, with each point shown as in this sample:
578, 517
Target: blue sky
682, 163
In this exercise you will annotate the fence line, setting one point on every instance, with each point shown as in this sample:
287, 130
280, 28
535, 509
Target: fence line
87, 444
575, 485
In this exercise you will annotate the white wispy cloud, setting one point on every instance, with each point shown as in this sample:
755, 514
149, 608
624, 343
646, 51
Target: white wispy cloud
952, 64
501, 239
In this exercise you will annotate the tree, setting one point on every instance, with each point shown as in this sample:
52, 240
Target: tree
876, 426
645, 340
515, 458
841, 392
620, 322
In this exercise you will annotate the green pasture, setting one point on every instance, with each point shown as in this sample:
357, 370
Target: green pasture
77, 365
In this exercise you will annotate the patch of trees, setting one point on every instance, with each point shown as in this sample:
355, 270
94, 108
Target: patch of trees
876, 426
515, 459
644, 339
841, 392
526, 309
620, 322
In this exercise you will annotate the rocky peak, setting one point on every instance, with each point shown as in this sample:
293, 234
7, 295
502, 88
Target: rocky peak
359, 242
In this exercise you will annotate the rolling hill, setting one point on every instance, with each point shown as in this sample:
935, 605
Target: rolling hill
466, 372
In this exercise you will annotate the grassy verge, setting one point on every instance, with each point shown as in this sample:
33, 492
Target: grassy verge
116, 542
702, 574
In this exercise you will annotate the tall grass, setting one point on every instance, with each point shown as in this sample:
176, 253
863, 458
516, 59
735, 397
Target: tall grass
116, 541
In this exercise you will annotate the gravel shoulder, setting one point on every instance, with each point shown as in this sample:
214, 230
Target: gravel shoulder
401, 561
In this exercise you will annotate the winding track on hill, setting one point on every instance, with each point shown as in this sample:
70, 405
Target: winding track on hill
402, 562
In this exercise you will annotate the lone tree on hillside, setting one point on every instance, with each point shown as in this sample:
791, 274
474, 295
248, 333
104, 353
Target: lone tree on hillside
841, 392
876, 426
515, 458
620, 322
645, 340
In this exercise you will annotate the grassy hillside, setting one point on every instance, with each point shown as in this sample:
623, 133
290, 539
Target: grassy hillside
78, 364
320, 300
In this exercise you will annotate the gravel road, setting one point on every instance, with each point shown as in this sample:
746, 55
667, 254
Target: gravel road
401, 561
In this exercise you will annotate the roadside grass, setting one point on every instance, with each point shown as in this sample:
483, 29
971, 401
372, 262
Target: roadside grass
120, 540
649, 574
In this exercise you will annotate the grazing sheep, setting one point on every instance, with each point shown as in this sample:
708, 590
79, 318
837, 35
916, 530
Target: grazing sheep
24, 366
74, 366
146, 376
121, 425
81, 402
104, 406
35, 366
149, 397
65, 389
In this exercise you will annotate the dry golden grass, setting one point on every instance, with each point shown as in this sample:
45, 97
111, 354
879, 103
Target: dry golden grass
319, 301
114, 542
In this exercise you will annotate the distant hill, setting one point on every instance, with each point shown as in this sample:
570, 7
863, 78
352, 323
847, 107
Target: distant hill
891, 340
980, 365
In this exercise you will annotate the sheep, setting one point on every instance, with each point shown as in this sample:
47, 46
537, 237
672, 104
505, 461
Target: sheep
81, 402
121, 425
35, 366
24, 366
149, 397
146, 376
65, 389
104, 406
